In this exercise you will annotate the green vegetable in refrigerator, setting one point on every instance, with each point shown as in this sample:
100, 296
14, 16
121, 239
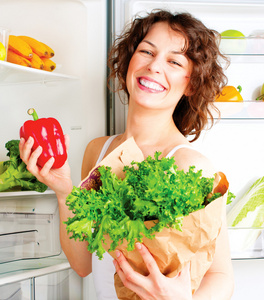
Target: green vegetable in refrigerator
2, 167
14, 173
261, 97
248, 211
248, 214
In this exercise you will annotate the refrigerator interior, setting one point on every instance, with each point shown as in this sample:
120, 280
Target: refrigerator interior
234, 144
74, 93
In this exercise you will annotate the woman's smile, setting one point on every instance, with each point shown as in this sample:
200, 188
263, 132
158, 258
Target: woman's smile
149, 85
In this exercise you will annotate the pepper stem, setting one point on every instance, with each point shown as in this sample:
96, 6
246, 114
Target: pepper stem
239, 88
33, 113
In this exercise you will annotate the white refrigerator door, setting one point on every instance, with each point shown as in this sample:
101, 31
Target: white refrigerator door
75, 92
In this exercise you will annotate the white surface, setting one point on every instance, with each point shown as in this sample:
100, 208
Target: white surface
249, 276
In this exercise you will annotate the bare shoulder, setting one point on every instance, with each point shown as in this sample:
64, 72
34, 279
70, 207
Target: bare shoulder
186, 157
91, 154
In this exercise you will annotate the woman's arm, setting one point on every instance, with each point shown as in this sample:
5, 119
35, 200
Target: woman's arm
218, 283
79, 257
59, 180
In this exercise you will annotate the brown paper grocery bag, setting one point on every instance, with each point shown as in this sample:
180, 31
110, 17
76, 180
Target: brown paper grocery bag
117, 159
171, 248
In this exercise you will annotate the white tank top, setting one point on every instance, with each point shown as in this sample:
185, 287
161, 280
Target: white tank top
103, 270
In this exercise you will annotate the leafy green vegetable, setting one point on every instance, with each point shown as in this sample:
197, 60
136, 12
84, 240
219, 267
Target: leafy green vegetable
247, 214
153, 189
249, 210
15, 174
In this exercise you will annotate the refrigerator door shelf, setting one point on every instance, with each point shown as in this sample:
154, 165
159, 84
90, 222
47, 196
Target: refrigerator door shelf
14, 74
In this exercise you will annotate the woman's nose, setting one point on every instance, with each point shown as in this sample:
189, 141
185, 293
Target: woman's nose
155, 66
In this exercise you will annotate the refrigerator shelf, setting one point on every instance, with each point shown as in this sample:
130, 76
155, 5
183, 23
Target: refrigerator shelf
240, 110
29, 226
15, 74
12, 239
246, 243
247, 46
25, 193
25, 269
245, 58
28, 202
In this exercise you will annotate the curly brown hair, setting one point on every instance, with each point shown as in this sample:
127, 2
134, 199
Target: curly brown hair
192, 112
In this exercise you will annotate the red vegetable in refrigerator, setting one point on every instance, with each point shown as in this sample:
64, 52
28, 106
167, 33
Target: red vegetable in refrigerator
48, 134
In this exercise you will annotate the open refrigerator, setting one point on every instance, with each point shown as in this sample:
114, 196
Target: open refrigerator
32, 264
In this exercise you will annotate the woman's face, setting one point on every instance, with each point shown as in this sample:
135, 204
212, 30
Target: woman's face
158, 73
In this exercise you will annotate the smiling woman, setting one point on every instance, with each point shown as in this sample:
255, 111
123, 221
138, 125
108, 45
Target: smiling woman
168, 66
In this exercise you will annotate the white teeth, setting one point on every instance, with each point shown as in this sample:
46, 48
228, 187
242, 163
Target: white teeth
151, 85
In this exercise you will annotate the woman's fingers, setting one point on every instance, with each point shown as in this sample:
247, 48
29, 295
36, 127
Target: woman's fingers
129, 277
148, 259
32, 161
154, 286
30, 158
141, 285
25, 149
123, 263
46, 168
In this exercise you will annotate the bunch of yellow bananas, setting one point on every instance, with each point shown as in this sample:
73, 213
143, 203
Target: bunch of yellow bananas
29, 52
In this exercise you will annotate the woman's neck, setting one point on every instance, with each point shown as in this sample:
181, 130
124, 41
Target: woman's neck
151, 128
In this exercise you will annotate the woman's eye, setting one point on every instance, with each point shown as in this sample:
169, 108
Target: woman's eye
175, 63
146, 52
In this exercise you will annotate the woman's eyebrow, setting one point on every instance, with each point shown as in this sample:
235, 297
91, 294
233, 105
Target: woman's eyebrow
148, 42
153, 45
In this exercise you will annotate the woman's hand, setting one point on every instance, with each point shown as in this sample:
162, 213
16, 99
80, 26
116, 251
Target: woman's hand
58, 180
155, 286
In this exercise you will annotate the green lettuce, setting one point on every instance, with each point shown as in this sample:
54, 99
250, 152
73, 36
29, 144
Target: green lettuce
153, 189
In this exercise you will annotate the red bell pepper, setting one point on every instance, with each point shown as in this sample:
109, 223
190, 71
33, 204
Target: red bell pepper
48, 134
